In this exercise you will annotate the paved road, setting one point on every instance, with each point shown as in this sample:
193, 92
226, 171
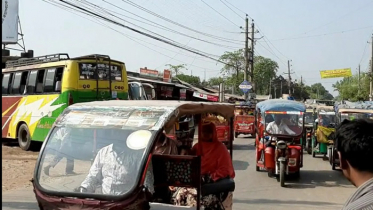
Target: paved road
318, 188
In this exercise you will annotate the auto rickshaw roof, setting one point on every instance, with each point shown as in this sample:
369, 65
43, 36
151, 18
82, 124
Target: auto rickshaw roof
177, 108
367, 111
363, 106
281, 105
321, 108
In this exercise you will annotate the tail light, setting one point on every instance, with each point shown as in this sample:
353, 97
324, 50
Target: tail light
308, 134
71, 100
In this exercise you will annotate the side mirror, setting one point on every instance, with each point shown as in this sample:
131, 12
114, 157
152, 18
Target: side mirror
153, 93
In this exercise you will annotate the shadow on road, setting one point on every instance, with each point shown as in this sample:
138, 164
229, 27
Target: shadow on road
323, 178
269, 201
240, 165
19, 205
243, 147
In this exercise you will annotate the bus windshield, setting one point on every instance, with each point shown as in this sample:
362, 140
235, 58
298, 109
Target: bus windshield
283, 123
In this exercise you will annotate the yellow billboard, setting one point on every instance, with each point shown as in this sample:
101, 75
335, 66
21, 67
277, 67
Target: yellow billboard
325, 74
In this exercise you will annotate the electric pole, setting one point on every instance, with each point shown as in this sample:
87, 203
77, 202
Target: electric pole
371, 74
289, 77
252, 56
358, 77
301, 86
246, 51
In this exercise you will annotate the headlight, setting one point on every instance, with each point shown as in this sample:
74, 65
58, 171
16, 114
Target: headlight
281, 144
138, 139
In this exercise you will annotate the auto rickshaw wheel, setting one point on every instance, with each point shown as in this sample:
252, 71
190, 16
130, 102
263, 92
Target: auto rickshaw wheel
309, 146
282, 174
24, 138
235, 135
253, 135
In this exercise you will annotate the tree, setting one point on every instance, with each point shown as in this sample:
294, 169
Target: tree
177, 69
318, 91
193, 80
348, 88
265, 70
215, 81
235, 62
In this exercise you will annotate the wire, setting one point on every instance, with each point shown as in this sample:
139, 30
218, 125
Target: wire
231, 9
128, 36
176, 23
143, 33
163, 27
220, 13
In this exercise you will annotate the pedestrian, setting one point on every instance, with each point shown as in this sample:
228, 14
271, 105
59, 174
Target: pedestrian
62, 135
354, 144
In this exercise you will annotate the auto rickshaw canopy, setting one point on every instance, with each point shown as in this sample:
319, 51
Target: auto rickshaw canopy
280, 105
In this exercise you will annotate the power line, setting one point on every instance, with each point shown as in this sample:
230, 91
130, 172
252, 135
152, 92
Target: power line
220, 14
140, 32
231, 9
176, 23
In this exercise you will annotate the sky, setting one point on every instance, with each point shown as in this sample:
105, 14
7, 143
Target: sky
315, 35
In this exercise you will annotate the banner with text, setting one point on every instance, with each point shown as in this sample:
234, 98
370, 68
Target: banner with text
326, 74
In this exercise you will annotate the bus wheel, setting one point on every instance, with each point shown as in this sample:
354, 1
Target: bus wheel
24, 138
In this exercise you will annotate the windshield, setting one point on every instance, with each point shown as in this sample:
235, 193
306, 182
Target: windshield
355, 116
308, 118
99, 151
135, 90
327, 120
283, 123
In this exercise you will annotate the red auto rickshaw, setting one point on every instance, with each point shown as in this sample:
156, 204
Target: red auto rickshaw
222, 127
279, 126
244, 118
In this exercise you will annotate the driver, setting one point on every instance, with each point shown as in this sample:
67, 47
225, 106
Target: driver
113, 168
279, 126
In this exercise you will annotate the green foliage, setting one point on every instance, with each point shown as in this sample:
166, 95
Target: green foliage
177, 69
265, 70
348, 88
193, 80
235, 62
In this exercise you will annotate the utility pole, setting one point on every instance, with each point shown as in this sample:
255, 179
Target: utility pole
358, 77
289, 77
252, 56
301, 86
371, 74
246, 51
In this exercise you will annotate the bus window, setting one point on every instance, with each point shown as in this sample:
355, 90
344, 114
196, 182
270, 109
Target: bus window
116, 73
31, 82
49, 81
5, 84
59, 73
16, 83
22, 87
39, 82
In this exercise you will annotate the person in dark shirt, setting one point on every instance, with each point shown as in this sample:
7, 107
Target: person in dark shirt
354, 144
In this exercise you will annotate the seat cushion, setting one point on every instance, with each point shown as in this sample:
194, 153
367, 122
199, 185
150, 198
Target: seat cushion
220, 186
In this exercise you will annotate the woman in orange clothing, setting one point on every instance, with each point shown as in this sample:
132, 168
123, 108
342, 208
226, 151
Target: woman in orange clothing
216, 164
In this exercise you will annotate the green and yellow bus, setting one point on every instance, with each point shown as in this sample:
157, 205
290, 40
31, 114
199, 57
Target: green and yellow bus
36, 90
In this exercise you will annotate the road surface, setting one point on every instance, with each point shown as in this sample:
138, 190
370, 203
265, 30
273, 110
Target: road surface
318, 188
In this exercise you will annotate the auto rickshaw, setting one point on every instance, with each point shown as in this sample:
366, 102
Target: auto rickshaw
349, 111
309, 118
126, 135
325, 130
244, 118
278, 147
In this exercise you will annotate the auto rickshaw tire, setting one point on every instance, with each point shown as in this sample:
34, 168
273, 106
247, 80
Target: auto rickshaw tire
309, 147
282, 174
235, 135
270, 174
253, 135
24, 138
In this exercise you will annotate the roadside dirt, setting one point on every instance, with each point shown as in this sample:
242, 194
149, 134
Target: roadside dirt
17, 166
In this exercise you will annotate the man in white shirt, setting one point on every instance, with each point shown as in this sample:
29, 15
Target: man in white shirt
278, 126
114, 170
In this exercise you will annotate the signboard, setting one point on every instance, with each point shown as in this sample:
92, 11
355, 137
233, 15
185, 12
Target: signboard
148, 72
206, 97
10, 21
326, 74
245, 86
182, 94
167, 75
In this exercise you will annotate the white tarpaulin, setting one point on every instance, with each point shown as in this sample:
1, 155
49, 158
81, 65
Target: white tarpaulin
10, 21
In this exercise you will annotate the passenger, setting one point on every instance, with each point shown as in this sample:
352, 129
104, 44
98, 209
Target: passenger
63, 136
113, 167
278, 126
354, 143
216, 164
